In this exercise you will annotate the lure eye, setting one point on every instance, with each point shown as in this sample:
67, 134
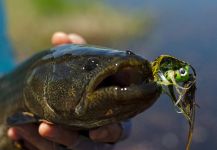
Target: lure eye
91, 64
182, 72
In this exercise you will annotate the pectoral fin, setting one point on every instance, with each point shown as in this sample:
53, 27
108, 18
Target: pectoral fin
20, 118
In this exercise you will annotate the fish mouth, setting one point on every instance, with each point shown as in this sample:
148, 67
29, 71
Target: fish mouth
119, 92
122, 76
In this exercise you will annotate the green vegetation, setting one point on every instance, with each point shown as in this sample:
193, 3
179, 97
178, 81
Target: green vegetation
52, 7
31, 23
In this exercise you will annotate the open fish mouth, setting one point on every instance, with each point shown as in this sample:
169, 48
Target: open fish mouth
126, 80
122, 75
123, 78
118, 92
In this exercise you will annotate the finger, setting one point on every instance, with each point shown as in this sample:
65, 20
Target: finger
77, 39
108, 133
30, 135
12, 134
58, 134
29, 146
59, 38
25, 145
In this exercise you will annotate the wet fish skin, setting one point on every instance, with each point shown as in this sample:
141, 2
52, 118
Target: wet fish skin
60, 85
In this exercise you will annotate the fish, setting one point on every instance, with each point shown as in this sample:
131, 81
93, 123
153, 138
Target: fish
77, 86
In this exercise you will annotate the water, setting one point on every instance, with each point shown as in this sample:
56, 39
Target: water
187, 30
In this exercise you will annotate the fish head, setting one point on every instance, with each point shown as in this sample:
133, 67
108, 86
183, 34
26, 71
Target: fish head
87, 87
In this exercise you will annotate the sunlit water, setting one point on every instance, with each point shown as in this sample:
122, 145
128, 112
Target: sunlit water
187, 30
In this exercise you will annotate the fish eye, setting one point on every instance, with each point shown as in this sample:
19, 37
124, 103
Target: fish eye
182, 72
129, 52
91, 64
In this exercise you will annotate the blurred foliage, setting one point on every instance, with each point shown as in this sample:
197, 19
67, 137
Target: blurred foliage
45, 7
52, 7
31, 23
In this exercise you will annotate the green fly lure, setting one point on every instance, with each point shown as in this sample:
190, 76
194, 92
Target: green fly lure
178, 80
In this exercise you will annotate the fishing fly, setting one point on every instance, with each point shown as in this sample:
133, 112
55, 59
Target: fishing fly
178, 80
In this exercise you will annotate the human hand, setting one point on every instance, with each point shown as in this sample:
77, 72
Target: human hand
44, 136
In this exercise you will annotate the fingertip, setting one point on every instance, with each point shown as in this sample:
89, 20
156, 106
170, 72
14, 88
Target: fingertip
45, 130
13, 134
58, 134
59, 38
76, 39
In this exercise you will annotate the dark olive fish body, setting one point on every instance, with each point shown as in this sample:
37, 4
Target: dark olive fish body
77, 85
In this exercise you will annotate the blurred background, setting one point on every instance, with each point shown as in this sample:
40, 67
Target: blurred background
185, 29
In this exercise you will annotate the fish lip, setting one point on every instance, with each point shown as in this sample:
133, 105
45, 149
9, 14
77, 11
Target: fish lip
117, 66
140, 96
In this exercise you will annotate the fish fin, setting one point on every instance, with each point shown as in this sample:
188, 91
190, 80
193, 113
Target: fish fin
20, 118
